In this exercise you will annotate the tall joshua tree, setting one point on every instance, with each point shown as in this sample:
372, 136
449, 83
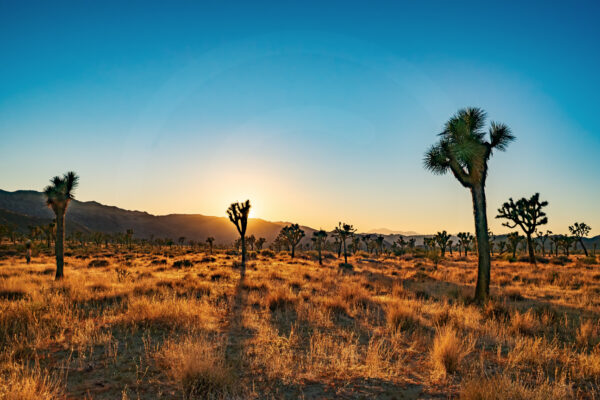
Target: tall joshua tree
464, 150
293, 234
58, 196
527, 214
344, 231
580, 230
319, 238
442, 238
210, 240
238, 215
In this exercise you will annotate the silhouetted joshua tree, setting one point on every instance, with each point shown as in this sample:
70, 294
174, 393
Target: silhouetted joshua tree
464, 150
367, 241
260, 242
210, 240
464, 241
526, 214
319, 238
379, 242
238, 215
442, 238
58, 196
580, 230
542, 237
293, 234
251, 241
514, 239
343, 232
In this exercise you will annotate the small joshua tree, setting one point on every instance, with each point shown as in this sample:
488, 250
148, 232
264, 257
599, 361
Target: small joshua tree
343, 232
293, 234
442, 238
464, 150
379, 241
464, 241
319, 238
210, 240
260, 242
238, 215
367, 240
579, 231
543, 237
526, 214
514, 239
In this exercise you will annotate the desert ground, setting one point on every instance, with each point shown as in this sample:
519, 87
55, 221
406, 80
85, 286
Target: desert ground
179, 323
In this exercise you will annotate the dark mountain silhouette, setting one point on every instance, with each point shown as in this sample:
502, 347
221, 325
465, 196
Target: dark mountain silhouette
26, 207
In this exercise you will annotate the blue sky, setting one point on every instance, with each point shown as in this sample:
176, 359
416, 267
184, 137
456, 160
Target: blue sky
316, 113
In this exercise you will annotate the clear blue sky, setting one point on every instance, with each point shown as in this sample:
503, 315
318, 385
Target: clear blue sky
316, 113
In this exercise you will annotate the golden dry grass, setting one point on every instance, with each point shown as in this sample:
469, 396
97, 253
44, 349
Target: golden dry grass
133, 326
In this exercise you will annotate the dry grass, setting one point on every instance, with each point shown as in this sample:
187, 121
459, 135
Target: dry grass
137, 324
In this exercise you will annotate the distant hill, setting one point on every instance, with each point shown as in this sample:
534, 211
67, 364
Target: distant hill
26, 207
386, 231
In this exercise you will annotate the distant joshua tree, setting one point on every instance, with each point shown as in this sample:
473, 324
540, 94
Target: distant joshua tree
379, 242
319, 238
210, 240
128, 237
465, 152
238, 215
260, 242
542, 237
442, 238
464, 241
580, 230
367, 241
343, 232
293, 234
513, 242
58, 196
526, 214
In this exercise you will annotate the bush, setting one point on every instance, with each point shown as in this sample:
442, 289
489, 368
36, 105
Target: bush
182, 263
267, 253
449, 351
98, 262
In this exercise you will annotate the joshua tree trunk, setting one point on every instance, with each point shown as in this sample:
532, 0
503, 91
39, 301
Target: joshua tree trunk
320, 258
293, 250
583, 247
28, 256
530, 248
482, 289
345, 253
59, 243
243, 252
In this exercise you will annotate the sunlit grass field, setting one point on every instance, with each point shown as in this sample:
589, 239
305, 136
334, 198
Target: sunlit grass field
175, 323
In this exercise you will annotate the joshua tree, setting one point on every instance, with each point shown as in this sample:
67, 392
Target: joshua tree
238, 215
501, 247
210, 240
260, 242
526, 214
344, 231
181, 240
58, 196
379, 241
319, 238
464, 150
580, 230
401, 243
464, 241
367, 241
542, 237
28, 251
355, 243
251, 241
513, 240
442, 238
293, 234
128, 237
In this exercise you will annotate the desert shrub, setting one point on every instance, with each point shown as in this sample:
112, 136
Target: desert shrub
267, 253
197, 366
346, 267
560, 260
590, 260
280, 299
160, 261
400, 315
98, 262
231, 252
449, 351
587, 333
501, 387
18, 382
183, 263
525, 323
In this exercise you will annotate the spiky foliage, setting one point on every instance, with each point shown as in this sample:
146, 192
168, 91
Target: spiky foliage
441, 239
401, 242
343, 231
527, 214
367, 241
58, 195
580, 230
319, 238
514, 239
293, 235
464, 150
238, 215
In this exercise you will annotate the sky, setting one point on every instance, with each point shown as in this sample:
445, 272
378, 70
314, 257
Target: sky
317, 113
